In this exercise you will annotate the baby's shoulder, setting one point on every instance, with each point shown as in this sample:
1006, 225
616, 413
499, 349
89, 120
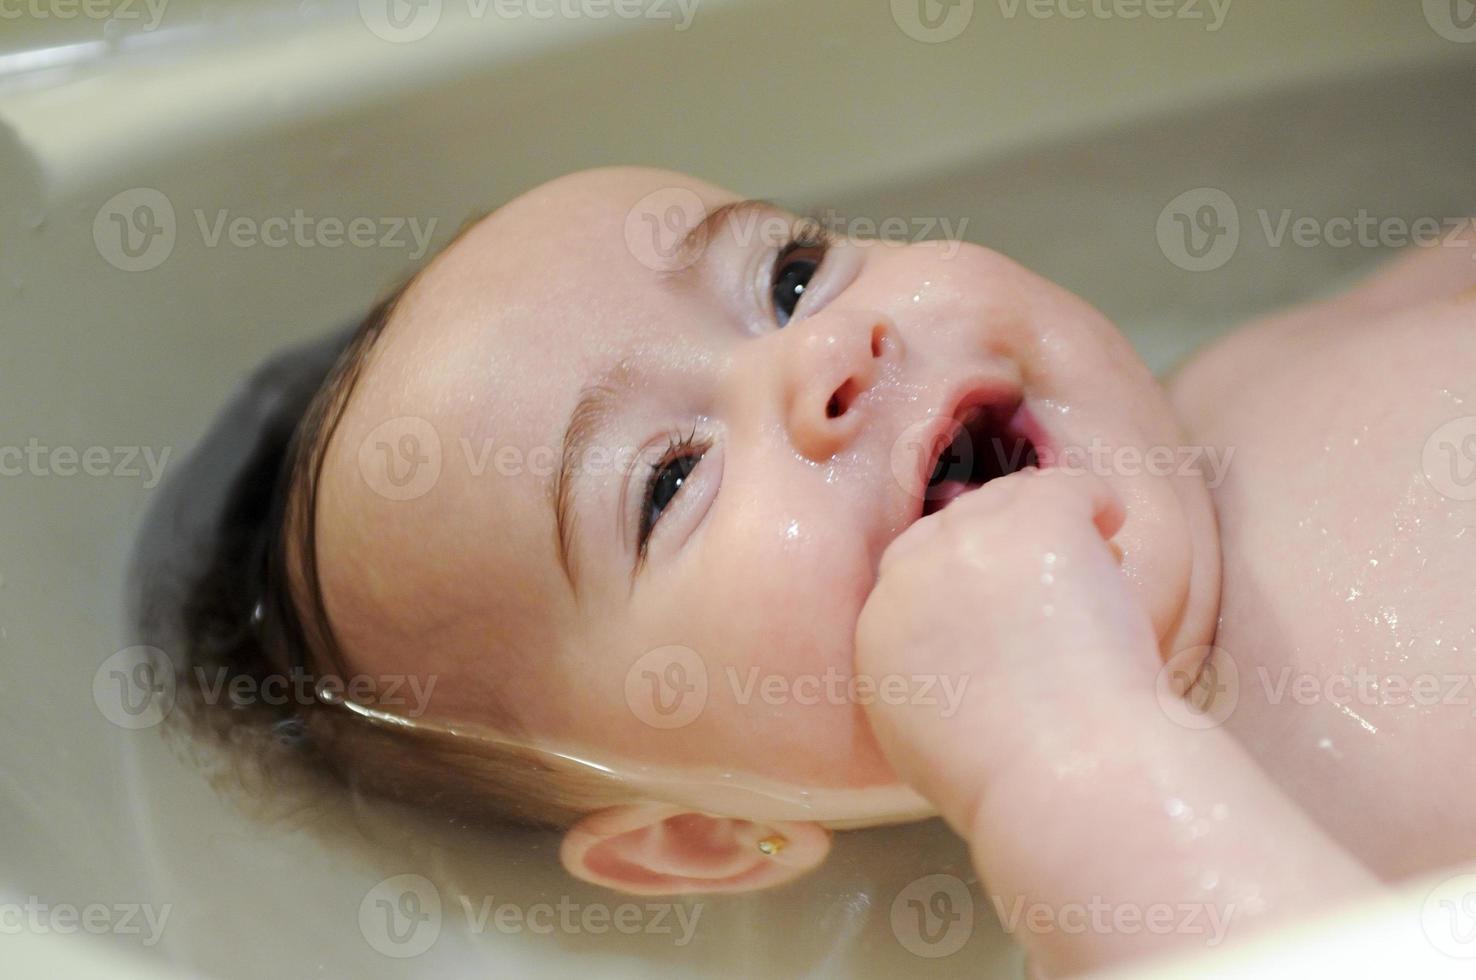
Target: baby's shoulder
1423, 302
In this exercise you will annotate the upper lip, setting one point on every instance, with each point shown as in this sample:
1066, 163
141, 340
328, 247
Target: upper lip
944, 423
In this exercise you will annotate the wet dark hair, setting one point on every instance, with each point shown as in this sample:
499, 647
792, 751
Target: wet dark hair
254, 609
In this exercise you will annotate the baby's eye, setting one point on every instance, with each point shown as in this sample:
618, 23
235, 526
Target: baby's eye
794, 267
666, 479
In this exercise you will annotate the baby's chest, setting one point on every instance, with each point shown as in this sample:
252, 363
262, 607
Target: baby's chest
1348, 522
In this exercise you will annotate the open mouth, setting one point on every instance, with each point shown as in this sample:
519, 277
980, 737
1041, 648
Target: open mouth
984, 443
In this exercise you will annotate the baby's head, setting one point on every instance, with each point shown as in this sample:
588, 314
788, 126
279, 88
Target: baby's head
614, 474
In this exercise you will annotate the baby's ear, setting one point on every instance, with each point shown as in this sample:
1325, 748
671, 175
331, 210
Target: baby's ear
661, 849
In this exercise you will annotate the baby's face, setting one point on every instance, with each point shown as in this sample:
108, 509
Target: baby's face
735, 463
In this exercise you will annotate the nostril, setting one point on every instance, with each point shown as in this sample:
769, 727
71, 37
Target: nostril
878, 340
840, 401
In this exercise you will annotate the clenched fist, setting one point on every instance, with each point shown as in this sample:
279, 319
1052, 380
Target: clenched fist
1014, 593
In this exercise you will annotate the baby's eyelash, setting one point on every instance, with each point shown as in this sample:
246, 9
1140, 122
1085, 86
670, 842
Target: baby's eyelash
807, 232
678, 447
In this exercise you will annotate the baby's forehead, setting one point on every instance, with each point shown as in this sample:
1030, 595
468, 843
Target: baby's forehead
595, 221
541, 293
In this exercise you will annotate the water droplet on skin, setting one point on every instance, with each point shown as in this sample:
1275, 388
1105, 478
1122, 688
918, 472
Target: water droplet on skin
1046, 578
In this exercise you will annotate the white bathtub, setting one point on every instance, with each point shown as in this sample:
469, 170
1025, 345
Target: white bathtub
1057, 140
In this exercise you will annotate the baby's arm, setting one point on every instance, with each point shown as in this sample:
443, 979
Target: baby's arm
1109, 827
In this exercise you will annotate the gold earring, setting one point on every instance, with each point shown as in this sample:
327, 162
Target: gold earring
773, 844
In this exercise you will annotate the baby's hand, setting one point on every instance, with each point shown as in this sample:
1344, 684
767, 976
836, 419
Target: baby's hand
1055, 762
1014, 594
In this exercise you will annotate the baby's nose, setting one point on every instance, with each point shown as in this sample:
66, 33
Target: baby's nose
834, 359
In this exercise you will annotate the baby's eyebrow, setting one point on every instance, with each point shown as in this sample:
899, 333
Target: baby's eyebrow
591, 415
692, 247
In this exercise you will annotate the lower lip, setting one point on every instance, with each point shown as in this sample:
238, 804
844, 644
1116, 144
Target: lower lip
1024, 425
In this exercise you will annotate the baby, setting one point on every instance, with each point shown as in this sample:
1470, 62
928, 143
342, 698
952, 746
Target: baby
705, 533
